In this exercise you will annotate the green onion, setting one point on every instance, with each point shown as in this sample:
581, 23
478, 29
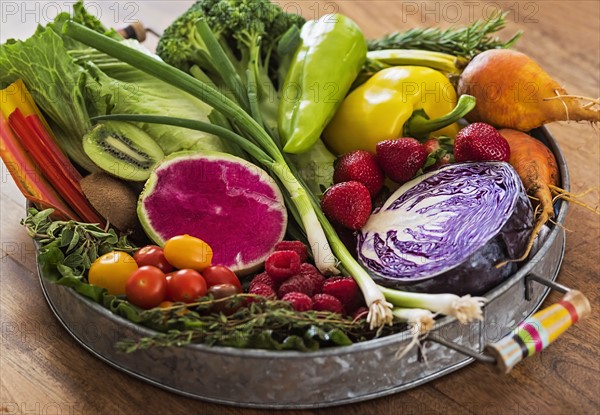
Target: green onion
465, 309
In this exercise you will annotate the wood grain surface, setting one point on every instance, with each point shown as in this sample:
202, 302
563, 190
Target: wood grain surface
44, 371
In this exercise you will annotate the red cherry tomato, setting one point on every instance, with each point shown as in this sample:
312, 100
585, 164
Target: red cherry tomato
186, 285
220, 274
153, 255
146, 287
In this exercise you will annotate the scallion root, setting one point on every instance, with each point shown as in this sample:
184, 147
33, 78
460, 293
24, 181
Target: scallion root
420, 323
380, 314
465, 309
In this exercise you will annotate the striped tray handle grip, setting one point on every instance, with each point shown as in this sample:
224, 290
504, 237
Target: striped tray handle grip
538, 331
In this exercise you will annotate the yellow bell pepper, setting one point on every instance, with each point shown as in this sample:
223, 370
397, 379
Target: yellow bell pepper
402, 101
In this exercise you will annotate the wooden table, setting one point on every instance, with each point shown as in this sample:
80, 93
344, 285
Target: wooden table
44, 371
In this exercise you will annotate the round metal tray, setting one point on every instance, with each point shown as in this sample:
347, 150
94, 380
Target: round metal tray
328, 377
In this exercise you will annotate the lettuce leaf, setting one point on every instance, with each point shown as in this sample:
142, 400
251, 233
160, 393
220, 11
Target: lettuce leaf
56, 83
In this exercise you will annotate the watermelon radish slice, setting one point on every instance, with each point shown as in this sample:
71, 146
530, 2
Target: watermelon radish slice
226, 201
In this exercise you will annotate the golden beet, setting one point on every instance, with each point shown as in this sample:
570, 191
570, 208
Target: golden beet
513, 91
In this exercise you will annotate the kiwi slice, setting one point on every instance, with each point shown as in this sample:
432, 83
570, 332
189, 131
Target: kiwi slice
123, 150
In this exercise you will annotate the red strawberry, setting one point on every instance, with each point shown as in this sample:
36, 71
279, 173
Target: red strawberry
359, 166
295, 246
348, 204
299, 301
438, 152
281, 265
401, 159
480, 142
431, 145
326, 302
344, 289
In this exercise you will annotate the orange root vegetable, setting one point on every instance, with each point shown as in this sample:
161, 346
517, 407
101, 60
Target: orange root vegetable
513, 91
538, 170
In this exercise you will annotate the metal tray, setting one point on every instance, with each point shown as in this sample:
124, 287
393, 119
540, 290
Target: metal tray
334, 376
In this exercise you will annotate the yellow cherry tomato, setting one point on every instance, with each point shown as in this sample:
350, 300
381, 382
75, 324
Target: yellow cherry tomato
188, 252
111, 271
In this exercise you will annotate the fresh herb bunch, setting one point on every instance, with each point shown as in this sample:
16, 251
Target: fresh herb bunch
262, 324
77, 244
462, 41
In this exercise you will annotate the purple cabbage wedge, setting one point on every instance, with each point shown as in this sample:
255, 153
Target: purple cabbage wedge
226, 201
445, 231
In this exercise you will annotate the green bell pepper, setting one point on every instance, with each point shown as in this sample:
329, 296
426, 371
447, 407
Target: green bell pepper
331, 54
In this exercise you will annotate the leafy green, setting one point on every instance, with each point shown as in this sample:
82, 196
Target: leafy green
123, 89
56, 83
71, 82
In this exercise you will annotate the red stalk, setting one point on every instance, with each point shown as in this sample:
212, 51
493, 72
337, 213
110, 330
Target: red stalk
27, 176
57, 169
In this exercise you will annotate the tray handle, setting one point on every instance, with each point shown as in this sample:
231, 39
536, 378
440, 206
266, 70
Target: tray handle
537, 332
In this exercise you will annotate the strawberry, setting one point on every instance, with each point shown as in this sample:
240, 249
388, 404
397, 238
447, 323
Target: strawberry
431, 145
344, 289
348, 204
401, 159
480, 142
359, 166
439, 152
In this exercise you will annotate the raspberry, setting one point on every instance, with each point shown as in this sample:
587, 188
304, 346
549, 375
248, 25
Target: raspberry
296, 246
311, 272
262, 278
298, 283
281, 265
344, 289
263, 290
360, 313
326, 302
299, 301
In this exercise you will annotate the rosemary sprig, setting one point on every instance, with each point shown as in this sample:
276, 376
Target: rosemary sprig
462, 41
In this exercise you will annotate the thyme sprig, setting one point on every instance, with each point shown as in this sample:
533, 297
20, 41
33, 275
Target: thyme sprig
263, 323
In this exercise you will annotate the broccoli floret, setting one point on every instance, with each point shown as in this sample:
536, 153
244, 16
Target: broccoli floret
240, 26
249, 32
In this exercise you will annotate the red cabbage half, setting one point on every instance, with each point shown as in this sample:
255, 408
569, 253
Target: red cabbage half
446, 230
